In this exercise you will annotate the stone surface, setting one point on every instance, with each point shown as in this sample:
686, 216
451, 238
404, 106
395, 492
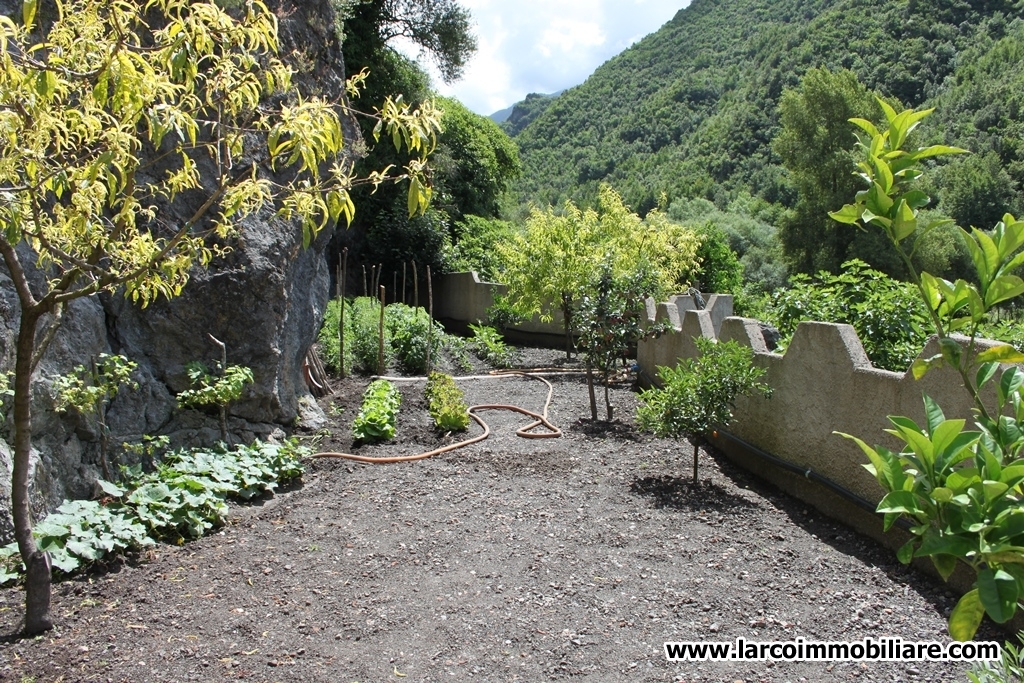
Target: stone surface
265, 301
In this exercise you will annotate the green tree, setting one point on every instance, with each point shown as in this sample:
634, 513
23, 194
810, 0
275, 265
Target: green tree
699, 395
81, 109
550, 264
720, 271
814, 145
977, 191
475, 162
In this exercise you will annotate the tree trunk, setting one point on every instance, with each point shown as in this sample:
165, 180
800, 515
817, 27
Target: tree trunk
607, 400
590, 390
695, 462
567, 317
37, 563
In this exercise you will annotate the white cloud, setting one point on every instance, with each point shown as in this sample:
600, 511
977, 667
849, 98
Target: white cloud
547, 45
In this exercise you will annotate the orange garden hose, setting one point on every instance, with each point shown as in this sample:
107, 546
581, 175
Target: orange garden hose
540, 420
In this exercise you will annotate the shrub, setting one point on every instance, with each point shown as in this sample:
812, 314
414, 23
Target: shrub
489, 346
700, 393
407, 328
378, 414
887, 314
447, 403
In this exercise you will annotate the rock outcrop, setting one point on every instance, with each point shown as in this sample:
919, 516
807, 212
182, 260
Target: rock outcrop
265, 301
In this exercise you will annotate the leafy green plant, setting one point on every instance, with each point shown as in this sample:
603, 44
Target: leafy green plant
149, 448
887, 314
218, 390
699, 395
489, 346
1009, 669
90, 391
447, 404
612, 319
378, 414
79, 534
961, 489
407, 329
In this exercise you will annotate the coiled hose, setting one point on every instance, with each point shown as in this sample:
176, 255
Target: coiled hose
539, 420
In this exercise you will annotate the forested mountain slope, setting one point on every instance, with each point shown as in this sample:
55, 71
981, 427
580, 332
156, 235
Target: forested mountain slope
691, 110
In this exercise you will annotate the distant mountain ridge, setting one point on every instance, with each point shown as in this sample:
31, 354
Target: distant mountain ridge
513, 119
691, 109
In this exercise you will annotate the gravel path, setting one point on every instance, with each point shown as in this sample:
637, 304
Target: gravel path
512, 560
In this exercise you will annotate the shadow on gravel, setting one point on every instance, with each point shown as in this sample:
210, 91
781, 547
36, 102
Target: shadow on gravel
682, 494
602, 428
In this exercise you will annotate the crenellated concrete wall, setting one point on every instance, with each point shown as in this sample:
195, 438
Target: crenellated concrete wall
823, 384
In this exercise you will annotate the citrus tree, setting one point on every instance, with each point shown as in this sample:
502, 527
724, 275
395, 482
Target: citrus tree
551, 263
110, 112
962, 489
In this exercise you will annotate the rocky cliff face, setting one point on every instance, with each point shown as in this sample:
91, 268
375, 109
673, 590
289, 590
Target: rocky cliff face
265, 301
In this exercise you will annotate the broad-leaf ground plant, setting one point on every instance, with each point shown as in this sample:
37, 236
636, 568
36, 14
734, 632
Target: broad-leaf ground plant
961, 488
182, 499
699, 395
90, 103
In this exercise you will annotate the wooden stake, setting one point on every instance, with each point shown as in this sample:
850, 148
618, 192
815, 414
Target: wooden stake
415, 287
380, 335
394, 286
403, 282
341, 301
430, 317
364, 280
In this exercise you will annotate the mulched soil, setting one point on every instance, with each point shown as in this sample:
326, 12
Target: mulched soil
511, 560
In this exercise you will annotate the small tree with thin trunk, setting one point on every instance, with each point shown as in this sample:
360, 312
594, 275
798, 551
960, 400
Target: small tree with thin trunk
550, 265
116, 107
699, 395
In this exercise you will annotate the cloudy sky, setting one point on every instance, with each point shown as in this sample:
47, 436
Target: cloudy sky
545, 46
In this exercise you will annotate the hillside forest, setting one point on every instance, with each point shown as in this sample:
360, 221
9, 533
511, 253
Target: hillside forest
731, 120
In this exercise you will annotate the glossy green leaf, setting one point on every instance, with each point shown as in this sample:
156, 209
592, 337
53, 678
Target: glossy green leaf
849, 214
906, 552
28, 12
998, 593
944, 564
966, 617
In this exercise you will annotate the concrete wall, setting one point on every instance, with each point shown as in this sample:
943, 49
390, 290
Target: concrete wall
462, 298
823, 384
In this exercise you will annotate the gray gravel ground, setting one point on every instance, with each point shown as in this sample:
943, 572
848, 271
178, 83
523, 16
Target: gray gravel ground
512, 560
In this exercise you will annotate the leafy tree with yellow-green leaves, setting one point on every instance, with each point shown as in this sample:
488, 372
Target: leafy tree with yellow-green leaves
548, 266
93, 106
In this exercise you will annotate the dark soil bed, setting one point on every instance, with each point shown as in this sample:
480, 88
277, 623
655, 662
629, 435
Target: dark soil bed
511, 560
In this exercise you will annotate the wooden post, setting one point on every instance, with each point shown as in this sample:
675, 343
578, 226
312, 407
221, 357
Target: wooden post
415, 287
364, 280
341, 319
223, 407
403, 282
373, 279
380, 335
430, 317
394, 286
